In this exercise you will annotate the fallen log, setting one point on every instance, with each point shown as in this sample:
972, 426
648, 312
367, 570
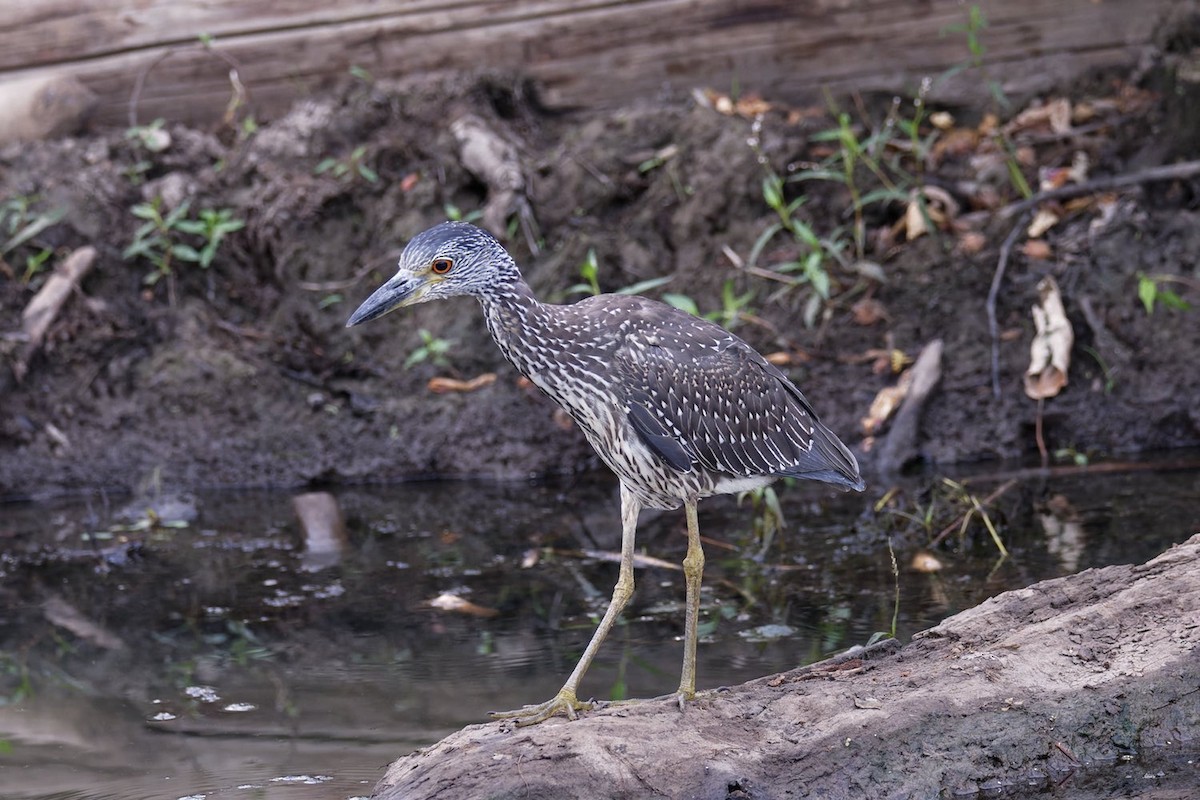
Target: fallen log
1036, 686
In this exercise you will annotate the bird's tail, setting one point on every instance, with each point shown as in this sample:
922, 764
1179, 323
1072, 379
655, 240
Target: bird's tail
828, 461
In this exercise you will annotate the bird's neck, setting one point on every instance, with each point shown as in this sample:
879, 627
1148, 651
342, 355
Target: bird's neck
512, 312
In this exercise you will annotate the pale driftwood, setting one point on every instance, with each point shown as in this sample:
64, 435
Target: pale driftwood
42, 106
495, 161
324, 529
44, 307
1028, 687
593, 53
900, 446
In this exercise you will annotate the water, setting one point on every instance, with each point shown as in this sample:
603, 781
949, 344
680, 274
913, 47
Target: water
145, 660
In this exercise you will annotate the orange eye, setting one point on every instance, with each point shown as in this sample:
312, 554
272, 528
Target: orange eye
441, 266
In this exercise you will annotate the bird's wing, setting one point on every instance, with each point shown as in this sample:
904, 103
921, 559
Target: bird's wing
700, 395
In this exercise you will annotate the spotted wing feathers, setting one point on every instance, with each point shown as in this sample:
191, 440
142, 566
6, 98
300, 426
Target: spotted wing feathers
701, 396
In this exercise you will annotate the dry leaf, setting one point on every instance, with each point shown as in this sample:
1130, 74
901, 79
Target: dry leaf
452, 602
885, 404
868, 311
784, 358
1037, 249
751, 105
942, 120
444, 385
1055, 116
939, 208
1050, 352
1043, 220
926, 562
971, 242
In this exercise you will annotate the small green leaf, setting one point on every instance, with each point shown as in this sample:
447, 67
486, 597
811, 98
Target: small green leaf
682, 302
1147, 292
145, 211
645, 286
185, 252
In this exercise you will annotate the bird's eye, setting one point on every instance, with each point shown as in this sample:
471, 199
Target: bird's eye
441, 266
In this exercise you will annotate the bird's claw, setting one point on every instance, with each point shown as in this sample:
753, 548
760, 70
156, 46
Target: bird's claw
565, 702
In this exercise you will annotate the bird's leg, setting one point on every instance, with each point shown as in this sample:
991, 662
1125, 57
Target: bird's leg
693, 570
566, 701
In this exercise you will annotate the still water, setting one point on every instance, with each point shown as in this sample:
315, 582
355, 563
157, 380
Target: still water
200, 652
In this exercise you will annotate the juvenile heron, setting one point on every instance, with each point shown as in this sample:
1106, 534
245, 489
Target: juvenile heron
679, 408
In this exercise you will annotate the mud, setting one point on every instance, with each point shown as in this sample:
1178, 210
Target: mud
243, 375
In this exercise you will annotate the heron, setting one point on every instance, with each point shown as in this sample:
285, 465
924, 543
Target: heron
678, 407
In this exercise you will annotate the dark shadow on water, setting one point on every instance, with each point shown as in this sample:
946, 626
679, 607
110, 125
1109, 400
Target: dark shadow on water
141, 657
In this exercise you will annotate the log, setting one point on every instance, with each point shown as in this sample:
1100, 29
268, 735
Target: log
593, 53
1026, 689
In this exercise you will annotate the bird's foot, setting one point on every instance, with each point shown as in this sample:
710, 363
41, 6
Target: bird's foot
564, 703
683, 696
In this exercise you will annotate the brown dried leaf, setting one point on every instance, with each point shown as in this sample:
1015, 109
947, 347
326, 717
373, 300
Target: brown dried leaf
444, 385
751, 105
868, 311
926, 562
885, 404
1037, 249
971, 242
453, 603
1050, 351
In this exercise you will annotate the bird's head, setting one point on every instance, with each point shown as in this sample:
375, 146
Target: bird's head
448, 260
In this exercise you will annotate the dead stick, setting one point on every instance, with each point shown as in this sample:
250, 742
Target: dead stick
1165, 172
1068, 470
993, 294
44, 307
1037, 430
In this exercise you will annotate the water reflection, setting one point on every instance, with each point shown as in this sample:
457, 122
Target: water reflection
139, 658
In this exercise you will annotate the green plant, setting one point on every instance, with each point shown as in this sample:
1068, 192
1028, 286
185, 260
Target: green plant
972, 29
20, 225
1152, 292
152, 137
767, 520
732, 310
432, 349
843, 167
162, 241
346, 168
589, 272
212, 226
891, 633
456, 214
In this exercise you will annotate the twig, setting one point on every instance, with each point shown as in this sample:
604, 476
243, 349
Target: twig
993, 293
1165, 172
239, 97
977, 507
139, 83
1037, 432
1069, 470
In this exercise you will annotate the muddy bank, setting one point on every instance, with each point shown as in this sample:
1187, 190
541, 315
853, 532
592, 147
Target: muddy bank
1037, 688
241, 373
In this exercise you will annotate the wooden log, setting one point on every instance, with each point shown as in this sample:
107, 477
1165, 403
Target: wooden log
591, 53
1027, 688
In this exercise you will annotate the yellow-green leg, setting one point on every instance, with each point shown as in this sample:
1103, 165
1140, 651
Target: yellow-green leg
693, 571
566, 701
